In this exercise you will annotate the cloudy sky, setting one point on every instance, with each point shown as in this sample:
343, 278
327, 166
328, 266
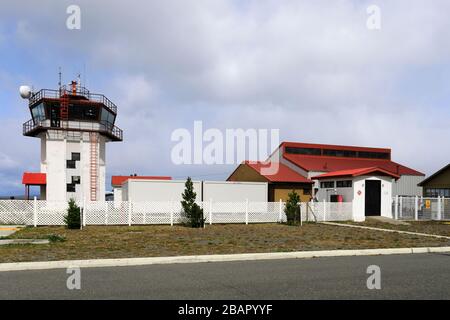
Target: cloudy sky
309, 68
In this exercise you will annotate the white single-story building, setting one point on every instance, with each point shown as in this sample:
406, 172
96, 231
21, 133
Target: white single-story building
141, 188
370, 190
117, 183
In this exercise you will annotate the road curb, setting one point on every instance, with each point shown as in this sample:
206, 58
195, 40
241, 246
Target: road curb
97, 263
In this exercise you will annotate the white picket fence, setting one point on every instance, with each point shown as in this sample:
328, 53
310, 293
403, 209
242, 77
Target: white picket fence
420, 208
36, 212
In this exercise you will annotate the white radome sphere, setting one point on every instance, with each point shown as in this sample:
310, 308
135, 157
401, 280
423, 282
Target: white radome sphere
25, 92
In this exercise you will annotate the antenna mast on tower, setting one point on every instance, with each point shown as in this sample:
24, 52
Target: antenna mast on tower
59, 81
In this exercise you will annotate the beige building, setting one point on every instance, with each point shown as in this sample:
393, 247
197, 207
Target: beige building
279, 184
438, 184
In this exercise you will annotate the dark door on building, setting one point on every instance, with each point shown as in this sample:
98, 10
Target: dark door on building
373, 198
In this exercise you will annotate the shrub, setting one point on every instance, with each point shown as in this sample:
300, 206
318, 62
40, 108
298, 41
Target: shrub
292, 209
192, 213
56, 238
73, 217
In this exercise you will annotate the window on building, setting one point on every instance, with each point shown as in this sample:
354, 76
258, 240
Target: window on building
373, 155
437, 192
71, 164
83, 112
307, 151
327, 184
344, 184
107, 117
76, 179
38, 112
76, 156
339, 153
70, 187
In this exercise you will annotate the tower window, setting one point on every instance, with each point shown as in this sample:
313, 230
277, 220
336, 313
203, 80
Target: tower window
76, 179
70, 187
71, 164
76, 156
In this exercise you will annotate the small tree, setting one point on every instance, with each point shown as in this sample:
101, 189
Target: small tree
292, 209
192, 213
73, 217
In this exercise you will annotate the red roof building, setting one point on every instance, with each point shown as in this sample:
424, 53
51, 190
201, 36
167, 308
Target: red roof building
118, 181
34, 179
282, 181
374, 171
283, 173
312, 160
328, 158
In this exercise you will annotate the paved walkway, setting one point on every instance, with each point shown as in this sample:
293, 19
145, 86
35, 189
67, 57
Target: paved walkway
386, 230
388, 220
8, 230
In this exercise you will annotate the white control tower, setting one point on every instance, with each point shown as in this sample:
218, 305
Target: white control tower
74, 126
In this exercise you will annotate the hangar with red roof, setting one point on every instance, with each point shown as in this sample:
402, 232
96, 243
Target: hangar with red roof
312, 160
335, 173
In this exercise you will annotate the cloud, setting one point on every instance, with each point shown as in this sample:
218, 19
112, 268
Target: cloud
312, 69
6, 162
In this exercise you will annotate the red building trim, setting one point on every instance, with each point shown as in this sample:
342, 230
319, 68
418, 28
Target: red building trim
117, 181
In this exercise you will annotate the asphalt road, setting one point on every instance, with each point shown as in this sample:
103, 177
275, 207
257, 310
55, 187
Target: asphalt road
412, 276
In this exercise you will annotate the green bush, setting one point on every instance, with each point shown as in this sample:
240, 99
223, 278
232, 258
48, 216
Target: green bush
73, 217
192, 214
292, 209
56, 238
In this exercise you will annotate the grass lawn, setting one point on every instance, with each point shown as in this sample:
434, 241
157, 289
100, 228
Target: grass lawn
147, 241
431, 227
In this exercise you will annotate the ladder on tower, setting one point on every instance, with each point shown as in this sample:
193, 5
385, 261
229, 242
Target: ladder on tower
64, 110
93, 139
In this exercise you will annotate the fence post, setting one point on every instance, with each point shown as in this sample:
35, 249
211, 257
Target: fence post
401, 208
106, 212
171, 213
416, 208
246, 211
396, 208
84, 213
300, 207
280, 217
324, 210
129, 213
35, 212
439, 213
210, 211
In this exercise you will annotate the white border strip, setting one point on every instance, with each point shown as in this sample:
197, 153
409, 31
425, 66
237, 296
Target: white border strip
97, 263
